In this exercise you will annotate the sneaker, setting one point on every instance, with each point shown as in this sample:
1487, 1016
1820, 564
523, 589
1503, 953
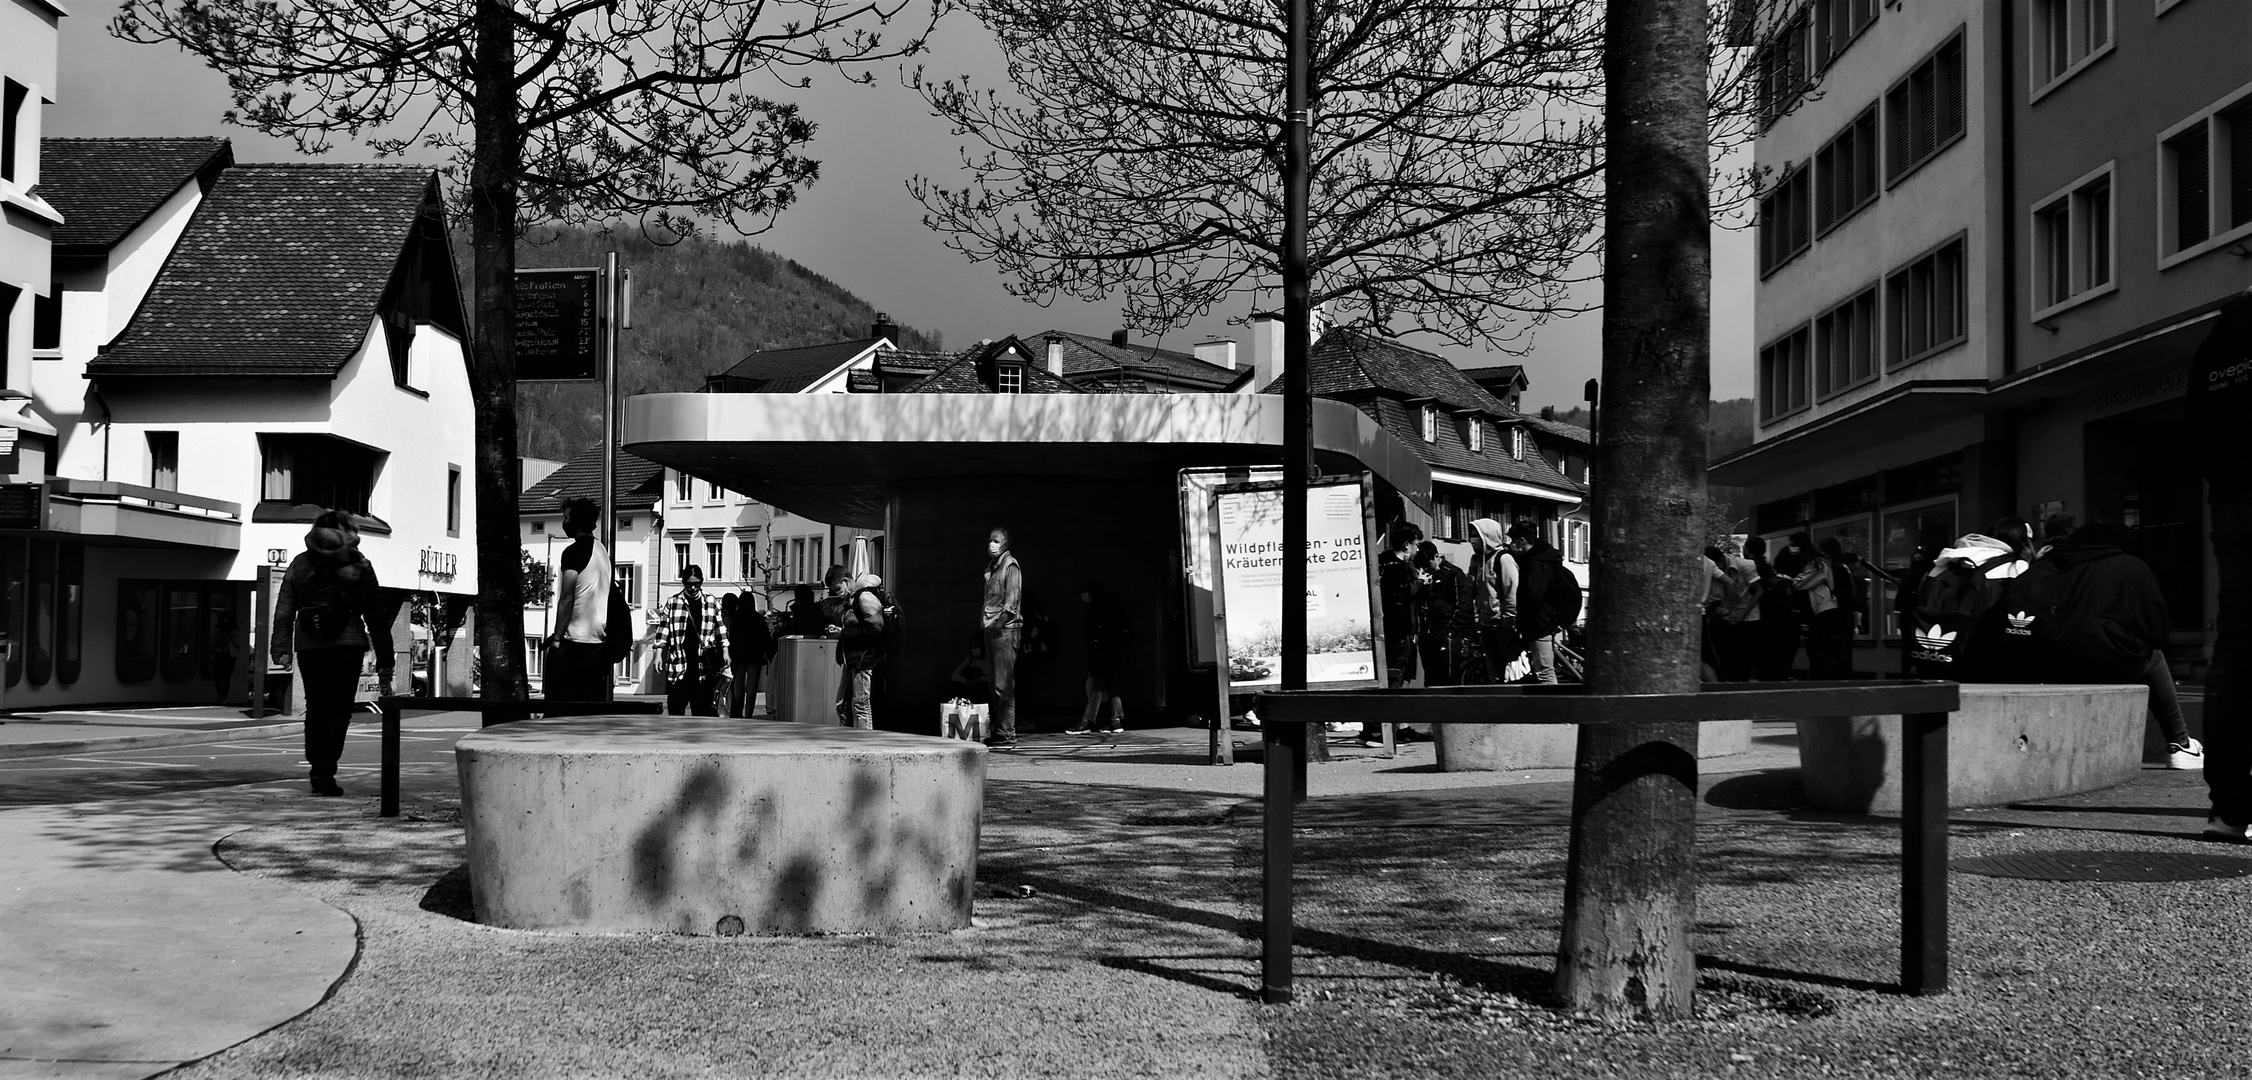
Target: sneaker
2186, 755
1373, 743
327, 789
1003, 744
2216, 829
1081, 729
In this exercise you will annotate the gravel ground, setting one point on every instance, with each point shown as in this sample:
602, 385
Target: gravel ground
1426, 927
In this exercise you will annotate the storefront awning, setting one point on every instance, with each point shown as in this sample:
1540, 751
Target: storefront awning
834, 457
1900, 412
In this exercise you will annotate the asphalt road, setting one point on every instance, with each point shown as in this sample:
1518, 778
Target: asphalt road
426, 744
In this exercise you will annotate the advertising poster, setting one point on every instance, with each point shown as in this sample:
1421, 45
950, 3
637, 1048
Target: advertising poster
1340, 630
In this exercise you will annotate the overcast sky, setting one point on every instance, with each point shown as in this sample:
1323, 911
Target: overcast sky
857, 226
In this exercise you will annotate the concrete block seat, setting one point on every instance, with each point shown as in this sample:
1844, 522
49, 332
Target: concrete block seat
718, 826
2008, 743
1500, 747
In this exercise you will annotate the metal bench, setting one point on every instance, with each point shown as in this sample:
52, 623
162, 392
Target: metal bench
1923, 705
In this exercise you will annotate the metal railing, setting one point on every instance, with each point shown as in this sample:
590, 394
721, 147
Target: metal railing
1923, 705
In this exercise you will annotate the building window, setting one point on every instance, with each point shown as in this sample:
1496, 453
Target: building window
164, 460
1923, 112
1474, 433
1578, 540
1430, 423
712, 569
1517, 443
453, 500
2072, 243
683, 486
775, 555
2067, 34
1784, 225
1836, 24
628, 577
1845, 172
1845, 345
1009, 379
680, 559
47, 320
1782, 375
797, 559
2205, 180
1783, 65
318, 470
1924, 305
14, 97
713, 492
747, 550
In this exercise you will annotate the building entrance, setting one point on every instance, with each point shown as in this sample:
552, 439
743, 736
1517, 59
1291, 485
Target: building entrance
2141, 477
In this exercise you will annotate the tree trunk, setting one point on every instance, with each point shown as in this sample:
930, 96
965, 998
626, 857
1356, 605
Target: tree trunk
1630, 890
492, 217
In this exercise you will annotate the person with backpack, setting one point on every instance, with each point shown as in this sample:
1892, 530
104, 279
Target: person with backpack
1547, 596
1493, 596
750, 646
329, 613
863, 639
575, 670
2087, 611
2220, 398
1943, 619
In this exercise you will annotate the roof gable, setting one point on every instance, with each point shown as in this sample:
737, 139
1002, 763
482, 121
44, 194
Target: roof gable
1348, 363
581, 478
105, 188
787, 371
974, 372
280, 273
1086, 357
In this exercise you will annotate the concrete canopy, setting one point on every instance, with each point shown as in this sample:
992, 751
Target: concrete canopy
837, 457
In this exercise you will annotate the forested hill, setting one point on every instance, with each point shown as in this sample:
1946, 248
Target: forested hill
698, 307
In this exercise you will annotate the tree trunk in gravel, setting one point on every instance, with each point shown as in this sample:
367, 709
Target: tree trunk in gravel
1630, 890
493, 176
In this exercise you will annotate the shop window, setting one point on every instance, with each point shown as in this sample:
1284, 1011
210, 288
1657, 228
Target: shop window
1929, 528
39, 644
2205, 180
2067, 36
1938, 476
1845, 345
2072, 243
183, 642
1785, 225
15, 571
318, 471
1845, 172
70, 613
1923, 112
136, 631
1925, 305
1783, 375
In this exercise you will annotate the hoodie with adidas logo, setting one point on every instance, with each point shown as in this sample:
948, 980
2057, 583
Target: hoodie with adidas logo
2085, 612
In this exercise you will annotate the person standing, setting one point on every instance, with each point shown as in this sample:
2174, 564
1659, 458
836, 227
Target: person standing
1106, 637
693, 645
862, 639
1778, 614
575, 670
2220, 398
1737, 592
1813, 583
1002, 621
1397, 591
1493, 600
750, 645
1435, 634
330, 614
224, 651
1540, 614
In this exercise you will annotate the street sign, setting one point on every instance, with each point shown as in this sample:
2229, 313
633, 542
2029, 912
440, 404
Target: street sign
23, 506
558, 325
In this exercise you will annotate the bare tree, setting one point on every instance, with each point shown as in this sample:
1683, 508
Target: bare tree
1456, 170
548, 110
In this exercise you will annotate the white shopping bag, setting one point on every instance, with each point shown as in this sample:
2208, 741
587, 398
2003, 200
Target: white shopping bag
960, 719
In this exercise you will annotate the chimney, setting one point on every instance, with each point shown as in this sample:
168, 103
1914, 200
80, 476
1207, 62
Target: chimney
884, 328
1055, 356
1548, 412
1118, 338
1266, 349
1220, 352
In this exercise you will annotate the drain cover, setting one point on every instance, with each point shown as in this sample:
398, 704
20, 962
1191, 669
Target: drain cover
2106, 866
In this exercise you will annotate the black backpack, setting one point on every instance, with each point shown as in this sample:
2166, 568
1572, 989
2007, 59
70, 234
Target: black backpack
1945, 637
1559, 604
617, 630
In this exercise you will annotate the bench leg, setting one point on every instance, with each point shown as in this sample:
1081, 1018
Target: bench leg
1282, 766
1923, 853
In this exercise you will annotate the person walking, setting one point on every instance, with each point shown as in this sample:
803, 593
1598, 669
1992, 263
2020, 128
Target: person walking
1002, 621
575, 670
693, 646
1542, 585
330, 614
2220, 398
750, 645
1106, 638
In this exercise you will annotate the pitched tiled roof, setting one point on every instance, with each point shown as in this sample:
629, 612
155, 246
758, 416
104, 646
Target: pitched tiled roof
786, 371
910, 359
1350, 364
581, 478
1157, 369
961, 376
1561, 430
1499, 377
279, 273
1452, 450
106, 187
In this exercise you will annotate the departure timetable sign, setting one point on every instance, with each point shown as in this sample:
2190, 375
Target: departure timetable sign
558, 325
23, 506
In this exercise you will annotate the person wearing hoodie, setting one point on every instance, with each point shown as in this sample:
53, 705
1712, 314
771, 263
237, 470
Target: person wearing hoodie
1002, 621
1538, 622
2220, 398
862, 639
329, 614
1493, 598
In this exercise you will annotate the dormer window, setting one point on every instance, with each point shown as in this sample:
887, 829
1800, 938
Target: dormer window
1517, 443
1009, 379
1430, 423
1477, 435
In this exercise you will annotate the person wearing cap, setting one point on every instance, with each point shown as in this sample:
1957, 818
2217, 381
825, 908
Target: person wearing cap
330, 614
694, 646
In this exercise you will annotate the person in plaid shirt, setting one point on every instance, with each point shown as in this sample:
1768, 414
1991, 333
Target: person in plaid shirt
695, 647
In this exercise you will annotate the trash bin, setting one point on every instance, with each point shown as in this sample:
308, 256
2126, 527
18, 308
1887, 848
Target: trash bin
803, 685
